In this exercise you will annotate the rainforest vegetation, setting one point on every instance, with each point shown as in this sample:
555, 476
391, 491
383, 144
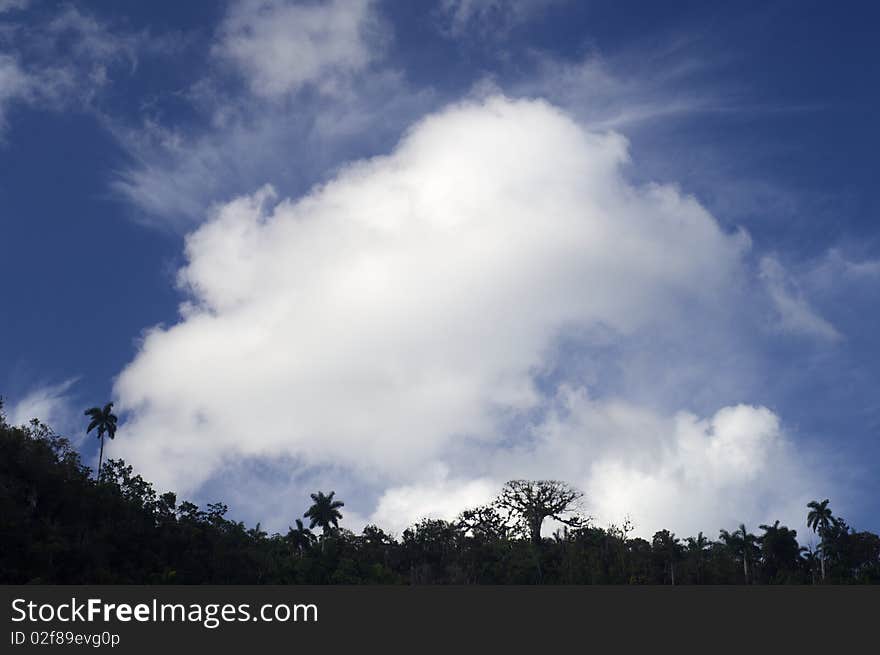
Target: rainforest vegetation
61, 525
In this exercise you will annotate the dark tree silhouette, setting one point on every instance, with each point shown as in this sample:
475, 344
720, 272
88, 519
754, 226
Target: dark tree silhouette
743, 545
820, 519
324, 512
530, 502
780, 552
696, 550
533, 501
666, 543
104, 420
59, 525
300, 538
484, 522
810, 559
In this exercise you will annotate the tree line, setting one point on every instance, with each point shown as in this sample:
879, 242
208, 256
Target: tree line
59, 524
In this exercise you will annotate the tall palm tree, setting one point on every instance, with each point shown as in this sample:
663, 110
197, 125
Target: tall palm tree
819, 518
743, 544
105, 422
324, 511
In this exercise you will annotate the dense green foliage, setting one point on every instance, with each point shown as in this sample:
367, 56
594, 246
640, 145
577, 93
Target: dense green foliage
58, 525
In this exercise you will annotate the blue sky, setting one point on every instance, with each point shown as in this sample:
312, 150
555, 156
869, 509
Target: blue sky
725, 154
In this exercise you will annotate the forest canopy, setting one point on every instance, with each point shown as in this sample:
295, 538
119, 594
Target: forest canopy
61, 525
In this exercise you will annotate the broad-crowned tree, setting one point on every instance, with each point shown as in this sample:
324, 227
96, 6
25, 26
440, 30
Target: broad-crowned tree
532, 501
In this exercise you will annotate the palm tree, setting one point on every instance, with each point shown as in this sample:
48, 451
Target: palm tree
696, 548
780, 552
742, 544
105, 422
324, 511
669, 545
300, 537
819, 518
808, 558
257, 533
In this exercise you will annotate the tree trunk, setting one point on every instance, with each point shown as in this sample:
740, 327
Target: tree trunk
822, 565
100, 457
535, 531
746, 568
672, 572
537, 544
535, 534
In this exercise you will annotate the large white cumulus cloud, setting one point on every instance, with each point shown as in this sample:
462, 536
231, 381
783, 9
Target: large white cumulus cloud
401, 311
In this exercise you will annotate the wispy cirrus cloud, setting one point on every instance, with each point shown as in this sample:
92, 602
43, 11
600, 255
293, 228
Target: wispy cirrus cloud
176, 174
310, 79
793, 310
53, 404
13, 5
279, 47
488, 18
66, 59
838, 266
15, 85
